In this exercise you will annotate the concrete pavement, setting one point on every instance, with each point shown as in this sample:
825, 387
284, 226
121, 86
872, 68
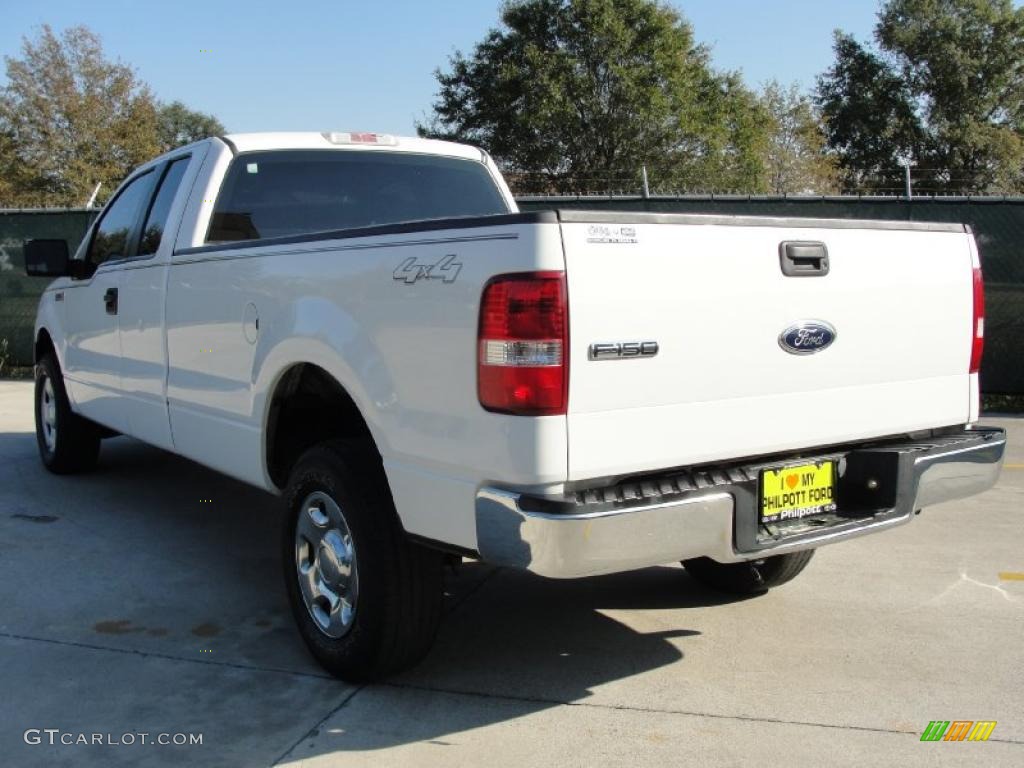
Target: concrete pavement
146, 598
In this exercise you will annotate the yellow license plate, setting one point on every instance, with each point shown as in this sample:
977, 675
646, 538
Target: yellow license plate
789, 493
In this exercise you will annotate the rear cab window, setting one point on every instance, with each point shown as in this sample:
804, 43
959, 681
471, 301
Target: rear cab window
281, 193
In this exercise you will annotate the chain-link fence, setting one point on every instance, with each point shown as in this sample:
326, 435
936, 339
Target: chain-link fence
998, 223
652, 180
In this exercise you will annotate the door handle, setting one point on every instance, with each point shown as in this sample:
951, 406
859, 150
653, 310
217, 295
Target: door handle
802, 259
110, 301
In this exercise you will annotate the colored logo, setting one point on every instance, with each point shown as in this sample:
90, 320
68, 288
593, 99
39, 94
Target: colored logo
958, 730
807, 337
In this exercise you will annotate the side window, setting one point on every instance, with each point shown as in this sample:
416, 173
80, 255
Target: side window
119, 220
156, 221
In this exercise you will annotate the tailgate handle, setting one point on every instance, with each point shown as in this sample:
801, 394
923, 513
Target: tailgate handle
801, 259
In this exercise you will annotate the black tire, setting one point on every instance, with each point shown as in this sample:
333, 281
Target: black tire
68, 443
398, 583
748, 578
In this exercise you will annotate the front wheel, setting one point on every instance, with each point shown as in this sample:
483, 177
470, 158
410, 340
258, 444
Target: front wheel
67, 442
748, 578
367, 600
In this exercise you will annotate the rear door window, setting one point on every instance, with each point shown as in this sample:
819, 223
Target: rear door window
156, 220
294, 192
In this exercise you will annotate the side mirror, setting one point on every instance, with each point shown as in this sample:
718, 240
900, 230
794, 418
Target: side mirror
47, 258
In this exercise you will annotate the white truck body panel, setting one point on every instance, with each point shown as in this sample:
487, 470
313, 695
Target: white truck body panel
142, 328
715, 300
92, 358
405, 353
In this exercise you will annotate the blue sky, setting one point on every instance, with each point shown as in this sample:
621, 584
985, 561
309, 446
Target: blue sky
368, 65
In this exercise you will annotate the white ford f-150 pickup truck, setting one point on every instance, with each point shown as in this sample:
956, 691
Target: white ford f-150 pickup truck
368, 326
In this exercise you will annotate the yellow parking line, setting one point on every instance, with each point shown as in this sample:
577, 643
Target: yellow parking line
1011, 576
1013, 466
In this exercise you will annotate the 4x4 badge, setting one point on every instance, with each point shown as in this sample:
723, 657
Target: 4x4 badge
446, 270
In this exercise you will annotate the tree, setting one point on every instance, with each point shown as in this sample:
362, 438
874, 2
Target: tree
70, 118
870, 121
965, 61
178, 125
10, 169
946, 88
585, 92
73, 117
795, 156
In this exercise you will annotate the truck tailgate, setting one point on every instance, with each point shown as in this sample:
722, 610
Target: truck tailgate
712, 293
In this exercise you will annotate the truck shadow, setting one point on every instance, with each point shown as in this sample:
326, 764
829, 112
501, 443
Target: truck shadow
205, 551
518, 645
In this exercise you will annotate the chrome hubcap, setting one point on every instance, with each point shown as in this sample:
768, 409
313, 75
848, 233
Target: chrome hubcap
325, 562
48, 415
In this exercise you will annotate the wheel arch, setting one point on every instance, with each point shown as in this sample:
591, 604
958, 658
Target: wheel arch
307, 404
43, 345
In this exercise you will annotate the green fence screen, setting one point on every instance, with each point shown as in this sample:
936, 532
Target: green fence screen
19, 294
998, 224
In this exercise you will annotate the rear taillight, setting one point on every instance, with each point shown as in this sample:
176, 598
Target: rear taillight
978, 326
523, 348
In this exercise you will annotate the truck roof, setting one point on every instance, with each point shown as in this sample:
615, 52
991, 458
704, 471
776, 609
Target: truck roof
252, 142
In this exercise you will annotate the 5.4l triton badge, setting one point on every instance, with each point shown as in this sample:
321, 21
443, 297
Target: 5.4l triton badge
807, 337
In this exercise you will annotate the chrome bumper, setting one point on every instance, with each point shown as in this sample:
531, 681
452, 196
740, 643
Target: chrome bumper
713, 513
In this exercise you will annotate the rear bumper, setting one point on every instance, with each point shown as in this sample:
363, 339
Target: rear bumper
713, 513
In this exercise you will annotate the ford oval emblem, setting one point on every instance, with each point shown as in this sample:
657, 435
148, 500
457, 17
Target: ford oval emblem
807, 337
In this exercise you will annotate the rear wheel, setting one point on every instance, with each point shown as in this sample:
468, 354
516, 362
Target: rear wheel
367, 600
67, 442
750, 577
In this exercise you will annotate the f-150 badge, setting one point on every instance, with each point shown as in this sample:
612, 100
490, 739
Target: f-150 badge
446, 270
622, 350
